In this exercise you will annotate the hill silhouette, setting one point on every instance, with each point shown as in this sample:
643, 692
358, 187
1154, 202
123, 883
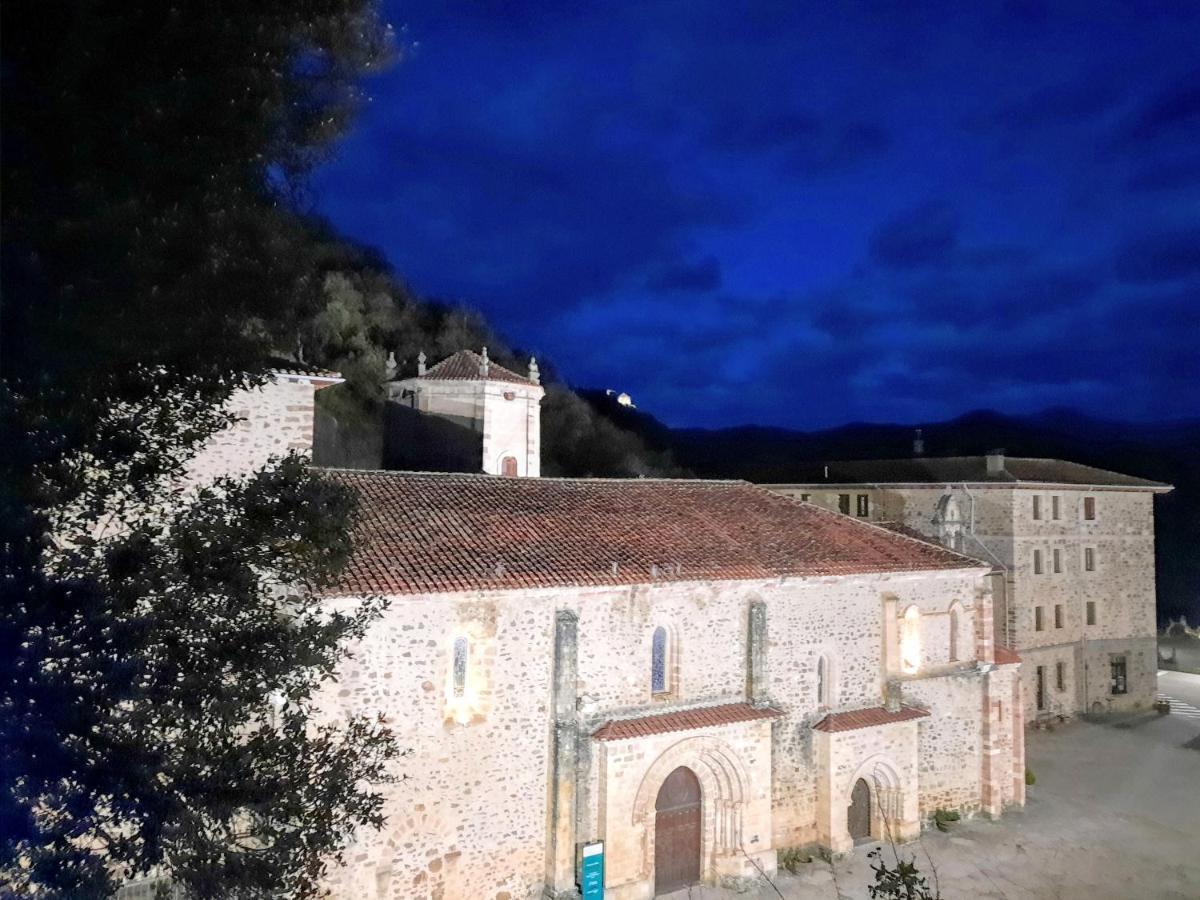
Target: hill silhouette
1161, 451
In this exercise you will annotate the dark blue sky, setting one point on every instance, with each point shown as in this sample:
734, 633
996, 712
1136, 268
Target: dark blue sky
792, 215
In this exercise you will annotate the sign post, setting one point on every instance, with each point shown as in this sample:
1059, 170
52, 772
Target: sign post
592, 879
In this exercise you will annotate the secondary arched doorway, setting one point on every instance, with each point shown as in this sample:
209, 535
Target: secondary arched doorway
858, 816
677, 832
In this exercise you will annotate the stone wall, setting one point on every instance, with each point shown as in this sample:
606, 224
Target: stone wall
476, 816
272, 421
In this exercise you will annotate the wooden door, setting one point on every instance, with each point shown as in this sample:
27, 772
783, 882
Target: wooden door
858, 817
677, 831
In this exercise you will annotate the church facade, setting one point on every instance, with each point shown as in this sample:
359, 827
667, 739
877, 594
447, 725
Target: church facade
691, 675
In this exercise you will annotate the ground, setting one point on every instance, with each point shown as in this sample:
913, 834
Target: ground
1115, 813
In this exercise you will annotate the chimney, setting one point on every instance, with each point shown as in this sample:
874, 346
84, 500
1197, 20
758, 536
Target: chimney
995, 462
421, 364
918, 444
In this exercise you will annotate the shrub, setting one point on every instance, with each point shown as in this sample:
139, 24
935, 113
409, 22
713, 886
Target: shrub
943, 817
792, 858
1030, 778
904, 882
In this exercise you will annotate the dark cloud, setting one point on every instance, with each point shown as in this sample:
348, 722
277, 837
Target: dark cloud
1166, 175
916, 237
704, 275
1171, 109
1162, 256
577, 171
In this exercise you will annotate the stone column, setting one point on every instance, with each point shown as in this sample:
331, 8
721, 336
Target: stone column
756, 655
560, 846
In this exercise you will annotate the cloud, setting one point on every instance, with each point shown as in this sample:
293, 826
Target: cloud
1162, 256
1170, 111
916, 237
701, 276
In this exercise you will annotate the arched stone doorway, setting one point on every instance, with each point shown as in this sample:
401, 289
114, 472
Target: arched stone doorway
858, 814
678, 823
508, 467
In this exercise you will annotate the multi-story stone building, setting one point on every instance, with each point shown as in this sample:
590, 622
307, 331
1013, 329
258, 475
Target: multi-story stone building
1073, 549
688, 674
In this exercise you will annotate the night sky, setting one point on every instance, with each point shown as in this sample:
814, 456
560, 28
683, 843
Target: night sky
802, 216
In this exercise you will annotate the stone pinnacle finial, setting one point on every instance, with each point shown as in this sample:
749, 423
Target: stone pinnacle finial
483, 364
534, 375
421, 363
390, 367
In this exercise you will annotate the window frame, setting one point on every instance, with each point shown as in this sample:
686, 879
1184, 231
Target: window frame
460, 664
1056, 561
660, 662
1118, 675
1060, 676
1037, 507
862, 507
1089, 508
1058, 615
1055, 507
844, 504
1038, 567
1089, 612
1039, 619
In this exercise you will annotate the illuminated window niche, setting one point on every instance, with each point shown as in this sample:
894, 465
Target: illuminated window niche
660, 662
463, 695
910, 641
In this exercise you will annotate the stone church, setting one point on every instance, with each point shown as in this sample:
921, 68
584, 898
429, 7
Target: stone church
690, 675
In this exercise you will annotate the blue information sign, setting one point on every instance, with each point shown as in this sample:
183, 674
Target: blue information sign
592, 880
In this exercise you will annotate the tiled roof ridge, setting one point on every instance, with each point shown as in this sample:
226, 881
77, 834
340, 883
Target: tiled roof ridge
691, 718
1004, 475
590, 479
974, 563
434, 371
868, 717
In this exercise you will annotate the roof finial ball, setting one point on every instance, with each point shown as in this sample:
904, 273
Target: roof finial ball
421, 363
483, 363
534, 375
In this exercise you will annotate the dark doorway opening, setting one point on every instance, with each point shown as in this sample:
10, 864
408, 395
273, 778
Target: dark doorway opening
677, 831
858, 818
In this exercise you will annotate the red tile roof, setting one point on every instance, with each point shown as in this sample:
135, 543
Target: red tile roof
683, 720
868, 718
423, 532
1005, 656
464, 366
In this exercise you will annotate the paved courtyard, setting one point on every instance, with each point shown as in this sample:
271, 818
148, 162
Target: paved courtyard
1115, 813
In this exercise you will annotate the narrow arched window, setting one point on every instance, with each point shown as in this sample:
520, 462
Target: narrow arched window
953, 635
508, 467
822, 682
658, 661
910, 640
461, 650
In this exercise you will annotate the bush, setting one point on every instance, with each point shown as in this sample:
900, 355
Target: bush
943, 817
793, 858
1030, 778
904, 882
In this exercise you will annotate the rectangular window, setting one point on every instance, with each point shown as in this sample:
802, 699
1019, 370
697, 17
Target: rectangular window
1037, 618
1037, 562
1117, 684
1091, 612
1057, 562
1037, 506
844, 504
1054, 510
1058, 615
1089, 508
1089, 559
1060, 676
804, 497
1041, 687
864, 506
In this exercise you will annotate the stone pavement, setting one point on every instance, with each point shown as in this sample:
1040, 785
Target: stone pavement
1115, 813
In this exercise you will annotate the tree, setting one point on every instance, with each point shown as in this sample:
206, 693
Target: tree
153, 260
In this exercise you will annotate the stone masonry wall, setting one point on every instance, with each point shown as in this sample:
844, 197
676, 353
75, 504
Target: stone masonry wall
273, 420
472, 822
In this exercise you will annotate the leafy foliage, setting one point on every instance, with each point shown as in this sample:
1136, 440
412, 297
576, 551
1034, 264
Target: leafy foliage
904, 881
152, 260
